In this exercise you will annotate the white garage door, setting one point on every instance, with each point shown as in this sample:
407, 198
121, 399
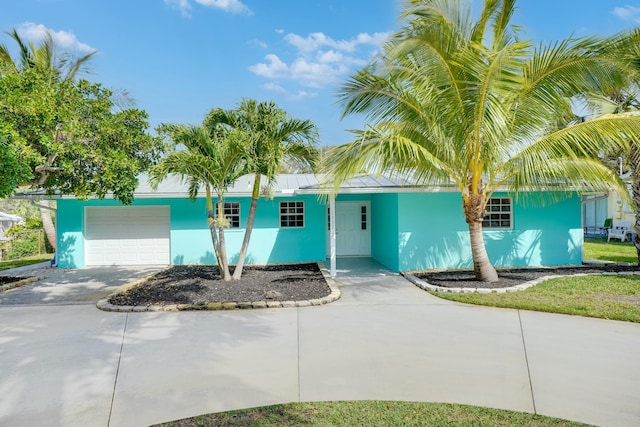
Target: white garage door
127, 235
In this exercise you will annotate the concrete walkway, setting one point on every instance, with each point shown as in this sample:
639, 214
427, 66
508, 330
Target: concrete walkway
69, 364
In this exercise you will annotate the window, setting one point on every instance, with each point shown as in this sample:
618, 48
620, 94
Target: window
232, 213
291, 214
363, 217
498, 214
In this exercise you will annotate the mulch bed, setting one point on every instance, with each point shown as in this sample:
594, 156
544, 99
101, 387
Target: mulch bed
10, 279
514, 276
202, 284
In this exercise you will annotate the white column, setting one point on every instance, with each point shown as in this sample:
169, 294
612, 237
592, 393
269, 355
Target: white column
332, 233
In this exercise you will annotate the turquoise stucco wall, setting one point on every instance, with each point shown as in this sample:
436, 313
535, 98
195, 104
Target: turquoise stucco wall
190, 240
433, 233
384, 230
409, 231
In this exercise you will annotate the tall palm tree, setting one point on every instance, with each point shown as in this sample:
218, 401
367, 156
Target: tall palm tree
463, 100
205, 157
272, 138
63, 67
43, 57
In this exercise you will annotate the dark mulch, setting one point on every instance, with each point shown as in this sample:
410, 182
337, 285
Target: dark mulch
202, 284
512, 277
9, 279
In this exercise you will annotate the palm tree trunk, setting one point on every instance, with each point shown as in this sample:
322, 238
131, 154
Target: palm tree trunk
222, 249
47, 222
237, 273
474, 206
482, 267
218, 243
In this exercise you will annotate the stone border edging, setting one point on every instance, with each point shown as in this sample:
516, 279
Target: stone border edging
22, 282
522, 287
335, 294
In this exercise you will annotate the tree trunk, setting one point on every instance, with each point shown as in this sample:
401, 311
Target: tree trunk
482, 267
474, 205
237, 273
218, 243
47, 222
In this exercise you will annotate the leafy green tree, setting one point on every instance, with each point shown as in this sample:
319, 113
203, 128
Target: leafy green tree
69, 133
462, 99
272, 137
15, 169
209, 157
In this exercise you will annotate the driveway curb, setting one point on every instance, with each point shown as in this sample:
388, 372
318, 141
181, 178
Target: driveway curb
21, 282
334, 295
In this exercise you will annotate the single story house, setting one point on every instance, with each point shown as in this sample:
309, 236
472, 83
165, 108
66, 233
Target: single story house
400, 225
600, 207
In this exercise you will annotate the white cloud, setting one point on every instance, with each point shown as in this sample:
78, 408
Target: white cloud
317, 74
303, 94
232, 6
63, 39
627, 13
274, 87
316, 41
274, 69
320, 60
300, 95
259, 43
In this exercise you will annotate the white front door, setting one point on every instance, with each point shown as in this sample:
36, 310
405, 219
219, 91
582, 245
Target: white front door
353, 229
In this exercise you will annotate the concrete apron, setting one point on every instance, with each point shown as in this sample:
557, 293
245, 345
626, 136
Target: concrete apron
384, 339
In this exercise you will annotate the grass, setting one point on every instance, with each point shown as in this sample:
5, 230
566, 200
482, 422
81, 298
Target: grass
615, 297
21, 262
600, 249
607, 297
370, 413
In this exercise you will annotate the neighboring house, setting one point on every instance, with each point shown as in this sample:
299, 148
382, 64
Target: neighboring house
6, 222
597, 207
400, 225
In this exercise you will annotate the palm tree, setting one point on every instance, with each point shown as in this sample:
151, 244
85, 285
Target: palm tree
205, 157
624, 100
463, 100
272, 138
44, 59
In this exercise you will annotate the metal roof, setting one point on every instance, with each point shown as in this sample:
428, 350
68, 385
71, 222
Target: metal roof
286, 184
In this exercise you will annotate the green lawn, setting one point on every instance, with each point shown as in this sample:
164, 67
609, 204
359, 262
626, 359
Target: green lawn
21, 262
599, 249
370, 413
606, 297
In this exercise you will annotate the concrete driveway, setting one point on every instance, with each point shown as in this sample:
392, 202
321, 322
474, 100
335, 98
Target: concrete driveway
70, 286
63, 362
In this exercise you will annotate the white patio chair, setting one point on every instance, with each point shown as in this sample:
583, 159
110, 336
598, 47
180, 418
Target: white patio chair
620, 231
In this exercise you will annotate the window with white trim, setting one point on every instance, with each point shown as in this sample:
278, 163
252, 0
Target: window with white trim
292, 214
498, 214
232, 213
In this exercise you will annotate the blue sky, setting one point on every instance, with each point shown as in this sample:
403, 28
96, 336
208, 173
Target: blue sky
180, 58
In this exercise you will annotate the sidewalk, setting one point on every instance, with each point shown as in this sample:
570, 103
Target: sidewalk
72, 365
